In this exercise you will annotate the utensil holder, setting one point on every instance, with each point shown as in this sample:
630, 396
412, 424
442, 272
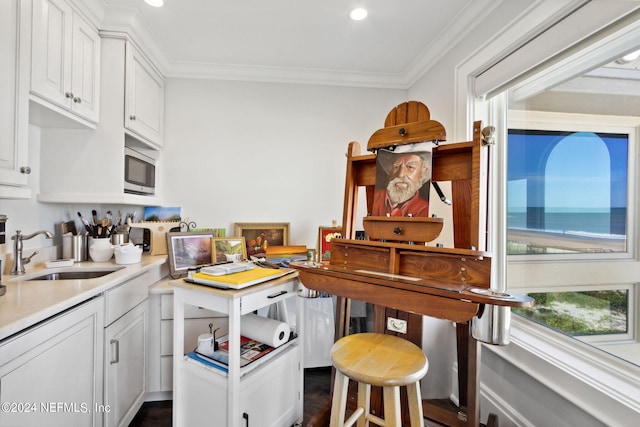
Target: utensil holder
75, 247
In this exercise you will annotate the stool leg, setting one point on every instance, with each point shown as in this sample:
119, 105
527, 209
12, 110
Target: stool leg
339, 402
415, 405
392, 411
364, 402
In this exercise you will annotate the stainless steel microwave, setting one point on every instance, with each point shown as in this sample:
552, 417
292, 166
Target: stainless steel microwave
139, 173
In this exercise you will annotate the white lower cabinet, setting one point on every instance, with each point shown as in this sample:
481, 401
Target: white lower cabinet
125, 342
51, 374
125, 366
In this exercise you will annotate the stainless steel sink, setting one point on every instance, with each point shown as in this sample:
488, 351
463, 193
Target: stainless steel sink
74, 275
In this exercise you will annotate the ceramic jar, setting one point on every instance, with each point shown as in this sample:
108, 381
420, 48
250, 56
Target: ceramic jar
100, 249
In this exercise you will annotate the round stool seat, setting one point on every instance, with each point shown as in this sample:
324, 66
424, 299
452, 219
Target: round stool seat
380, 360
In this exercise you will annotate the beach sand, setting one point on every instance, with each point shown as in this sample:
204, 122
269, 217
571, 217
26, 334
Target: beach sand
566, 242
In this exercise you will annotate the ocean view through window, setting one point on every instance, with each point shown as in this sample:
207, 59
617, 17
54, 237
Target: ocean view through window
566, 192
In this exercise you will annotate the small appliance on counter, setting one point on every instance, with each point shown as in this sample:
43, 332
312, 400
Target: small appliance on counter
3, 224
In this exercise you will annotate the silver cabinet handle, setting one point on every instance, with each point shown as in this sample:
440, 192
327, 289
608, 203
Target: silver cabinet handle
68, 95
25, 170
77, 100
132, 117
117, 358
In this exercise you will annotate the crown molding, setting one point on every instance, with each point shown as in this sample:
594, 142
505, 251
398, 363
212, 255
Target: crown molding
130, 21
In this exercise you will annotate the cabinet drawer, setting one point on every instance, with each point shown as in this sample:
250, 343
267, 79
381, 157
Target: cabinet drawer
190, 311
192, 328
266, 297
166, 373
123, 298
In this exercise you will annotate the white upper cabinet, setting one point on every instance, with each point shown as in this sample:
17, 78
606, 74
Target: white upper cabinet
144, 98
65, 68
14, 106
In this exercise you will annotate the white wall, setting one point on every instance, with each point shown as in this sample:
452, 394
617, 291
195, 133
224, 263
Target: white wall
261, 152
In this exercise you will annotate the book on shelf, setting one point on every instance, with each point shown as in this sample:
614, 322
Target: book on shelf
238, 280
282, 255
250, 351
206, 361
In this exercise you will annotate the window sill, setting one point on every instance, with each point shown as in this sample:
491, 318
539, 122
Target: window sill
602, 385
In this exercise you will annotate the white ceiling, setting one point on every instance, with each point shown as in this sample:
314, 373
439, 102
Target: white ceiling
310, 41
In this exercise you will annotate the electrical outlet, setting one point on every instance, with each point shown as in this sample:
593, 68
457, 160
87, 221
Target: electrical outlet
397, 325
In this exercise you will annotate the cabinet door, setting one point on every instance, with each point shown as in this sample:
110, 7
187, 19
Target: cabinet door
144, 97
51, 51
54, 371
13, 104
125, 366
85, 70
275, 399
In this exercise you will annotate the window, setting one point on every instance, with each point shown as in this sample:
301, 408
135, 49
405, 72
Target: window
566, 192
588, 315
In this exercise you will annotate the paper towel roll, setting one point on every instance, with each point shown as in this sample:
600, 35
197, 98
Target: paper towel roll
265, 330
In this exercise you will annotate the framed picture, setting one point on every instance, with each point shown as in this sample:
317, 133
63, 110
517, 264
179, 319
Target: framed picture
188, 249
325, 235
228, 249
259, 235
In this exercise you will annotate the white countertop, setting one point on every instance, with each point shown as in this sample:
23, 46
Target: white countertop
29, 302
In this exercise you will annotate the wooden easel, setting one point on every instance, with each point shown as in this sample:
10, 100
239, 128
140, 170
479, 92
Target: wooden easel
464, 164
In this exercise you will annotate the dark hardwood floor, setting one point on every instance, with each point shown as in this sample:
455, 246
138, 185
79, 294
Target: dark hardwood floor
317, 385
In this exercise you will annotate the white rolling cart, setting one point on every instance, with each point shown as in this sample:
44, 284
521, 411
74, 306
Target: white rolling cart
268, 391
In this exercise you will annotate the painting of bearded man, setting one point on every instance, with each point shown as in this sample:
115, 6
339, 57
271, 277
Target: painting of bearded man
402, 181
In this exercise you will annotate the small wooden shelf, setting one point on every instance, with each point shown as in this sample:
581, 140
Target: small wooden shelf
405, 229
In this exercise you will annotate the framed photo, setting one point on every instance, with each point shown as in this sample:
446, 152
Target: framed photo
259, 235
325, 235
228, 249
188, 249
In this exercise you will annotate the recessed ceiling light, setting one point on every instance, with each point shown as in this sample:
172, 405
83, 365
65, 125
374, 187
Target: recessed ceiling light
155, 3
358, 14
630, 57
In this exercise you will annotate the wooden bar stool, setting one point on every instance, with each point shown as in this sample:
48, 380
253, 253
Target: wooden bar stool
380, 360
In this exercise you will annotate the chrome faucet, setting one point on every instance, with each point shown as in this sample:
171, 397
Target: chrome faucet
18, 261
